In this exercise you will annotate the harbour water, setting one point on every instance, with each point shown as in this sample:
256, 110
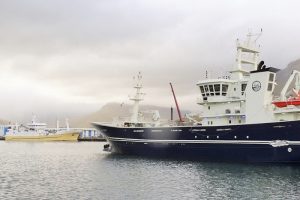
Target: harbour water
62, 170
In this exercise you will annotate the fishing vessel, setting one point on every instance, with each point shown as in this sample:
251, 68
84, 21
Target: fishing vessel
35, 131
242, 119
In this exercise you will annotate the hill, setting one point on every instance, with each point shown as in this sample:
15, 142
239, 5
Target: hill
112, 111
283, 75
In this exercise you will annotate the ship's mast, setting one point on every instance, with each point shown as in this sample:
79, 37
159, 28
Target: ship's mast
137, 98
33, 119
247, 54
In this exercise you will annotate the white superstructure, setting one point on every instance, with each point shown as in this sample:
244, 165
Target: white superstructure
223, 100
246, 97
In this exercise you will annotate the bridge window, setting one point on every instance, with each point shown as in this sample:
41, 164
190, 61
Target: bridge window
202, 90
214, 90
271, 80
217, 89
206, 90
271, 77
224, 89
270, 86
211, 89
243, 88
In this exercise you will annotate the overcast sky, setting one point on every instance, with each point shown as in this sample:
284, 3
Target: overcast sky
68, 57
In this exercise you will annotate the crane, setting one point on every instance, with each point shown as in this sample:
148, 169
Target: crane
296, 74
177, 107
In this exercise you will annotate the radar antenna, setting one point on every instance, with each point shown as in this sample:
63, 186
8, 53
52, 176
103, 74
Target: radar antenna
247, 56
258, 35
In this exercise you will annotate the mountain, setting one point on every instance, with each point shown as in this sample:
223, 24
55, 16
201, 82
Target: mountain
112, 111
283, 75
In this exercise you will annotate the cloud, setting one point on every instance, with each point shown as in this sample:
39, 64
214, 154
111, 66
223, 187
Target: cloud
86, 52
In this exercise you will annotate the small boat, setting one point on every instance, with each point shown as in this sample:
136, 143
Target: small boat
35, 131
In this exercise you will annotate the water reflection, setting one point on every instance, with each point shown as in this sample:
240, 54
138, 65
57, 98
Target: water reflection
83, 171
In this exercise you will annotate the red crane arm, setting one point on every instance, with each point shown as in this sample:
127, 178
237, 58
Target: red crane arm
177, 107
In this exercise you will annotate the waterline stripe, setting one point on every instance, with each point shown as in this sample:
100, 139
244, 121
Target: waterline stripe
272, 142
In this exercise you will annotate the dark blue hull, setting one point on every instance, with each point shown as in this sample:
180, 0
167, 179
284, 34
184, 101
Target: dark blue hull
269, 142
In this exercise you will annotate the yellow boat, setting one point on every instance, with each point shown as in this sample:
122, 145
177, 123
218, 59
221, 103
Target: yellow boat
60, 136
35, 131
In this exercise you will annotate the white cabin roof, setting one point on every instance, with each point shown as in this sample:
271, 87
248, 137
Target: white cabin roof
206, 81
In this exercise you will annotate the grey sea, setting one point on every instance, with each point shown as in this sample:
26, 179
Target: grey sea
60, 170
